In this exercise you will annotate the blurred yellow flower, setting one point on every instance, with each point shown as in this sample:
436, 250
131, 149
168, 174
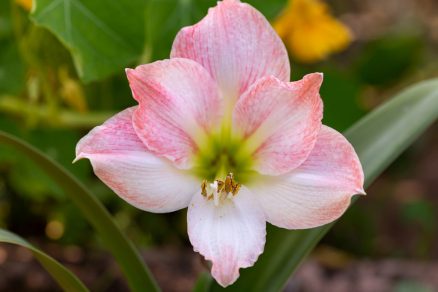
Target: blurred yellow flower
26, 4
310, 32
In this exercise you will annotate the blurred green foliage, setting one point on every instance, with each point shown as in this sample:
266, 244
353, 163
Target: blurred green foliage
389, 58
101, 38
12, 69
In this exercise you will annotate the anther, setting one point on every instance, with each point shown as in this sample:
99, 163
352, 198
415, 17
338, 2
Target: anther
204, 188
219, 190
229, 183
220, 186
235, 189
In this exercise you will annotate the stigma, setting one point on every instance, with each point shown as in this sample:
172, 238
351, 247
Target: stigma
220, 190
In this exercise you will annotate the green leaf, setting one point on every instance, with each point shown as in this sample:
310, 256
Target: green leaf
136, 272
12, 68
203, 283
102, 36
66, 279
378, 139
340, 92
6, 32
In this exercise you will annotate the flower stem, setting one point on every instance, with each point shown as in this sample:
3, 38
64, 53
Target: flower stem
43, 114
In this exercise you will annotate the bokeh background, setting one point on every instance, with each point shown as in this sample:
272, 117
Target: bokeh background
388, 241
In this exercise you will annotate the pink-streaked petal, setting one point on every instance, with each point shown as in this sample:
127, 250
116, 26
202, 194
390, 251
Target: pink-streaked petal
280, 121
319, 190
122, 162
230, 235
236, 44
179, 104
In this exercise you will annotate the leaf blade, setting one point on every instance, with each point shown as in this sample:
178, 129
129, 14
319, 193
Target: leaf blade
64, 277
133, 267
103, 39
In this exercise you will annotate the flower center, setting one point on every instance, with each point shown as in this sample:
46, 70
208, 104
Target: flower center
221, 156
220, 190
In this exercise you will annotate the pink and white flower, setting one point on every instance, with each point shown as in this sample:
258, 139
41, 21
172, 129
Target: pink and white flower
221, 130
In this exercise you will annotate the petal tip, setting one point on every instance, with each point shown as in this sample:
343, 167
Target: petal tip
316, 78
78, 157
131, 74
360, 191
224, 279
129, 71
229, 1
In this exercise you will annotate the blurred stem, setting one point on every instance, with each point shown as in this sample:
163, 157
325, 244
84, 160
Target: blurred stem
185, 11
45, 114
149, 35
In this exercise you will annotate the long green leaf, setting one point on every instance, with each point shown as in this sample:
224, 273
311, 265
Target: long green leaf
378, 139
66, 279
135, 270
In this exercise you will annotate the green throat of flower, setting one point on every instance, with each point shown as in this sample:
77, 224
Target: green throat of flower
223, 157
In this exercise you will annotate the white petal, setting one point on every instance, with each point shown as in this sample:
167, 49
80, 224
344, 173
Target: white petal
318, 191
123, 163
231, 235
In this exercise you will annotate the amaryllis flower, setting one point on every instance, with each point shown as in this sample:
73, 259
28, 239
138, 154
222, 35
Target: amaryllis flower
221, 130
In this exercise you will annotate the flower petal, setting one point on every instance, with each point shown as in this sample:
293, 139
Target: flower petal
179, 103
319, 190
236, 44
231, 235
280, 121
123, 163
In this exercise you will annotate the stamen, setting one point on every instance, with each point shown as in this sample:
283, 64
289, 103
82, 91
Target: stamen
219, 189
235, 189
204, 188
220, 186
228, 183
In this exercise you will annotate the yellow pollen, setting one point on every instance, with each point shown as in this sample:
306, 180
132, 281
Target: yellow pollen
220, 189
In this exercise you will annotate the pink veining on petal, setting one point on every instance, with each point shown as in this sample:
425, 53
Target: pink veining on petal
119, 126
319, 190
121, 160
230, 63
236, 44
281, 121
179, 104
231, 235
